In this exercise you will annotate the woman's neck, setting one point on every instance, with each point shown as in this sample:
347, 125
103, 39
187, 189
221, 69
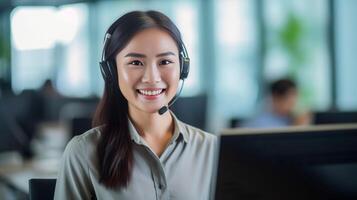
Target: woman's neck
152, 124
155, 129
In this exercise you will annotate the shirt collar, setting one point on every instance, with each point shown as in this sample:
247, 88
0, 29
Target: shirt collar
133, 133
180, 128
179, 131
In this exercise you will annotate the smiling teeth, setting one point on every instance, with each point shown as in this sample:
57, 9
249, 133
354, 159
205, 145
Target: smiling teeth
150, 92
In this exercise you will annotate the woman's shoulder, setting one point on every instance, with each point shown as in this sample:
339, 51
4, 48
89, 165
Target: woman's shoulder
83, 144
196, 134
89, 137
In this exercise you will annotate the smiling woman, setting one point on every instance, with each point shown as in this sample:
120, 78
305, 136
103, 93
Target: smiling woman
138, 150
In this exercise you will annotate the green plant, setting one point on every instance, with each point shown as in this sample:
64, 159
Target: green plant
291, 40
4, 54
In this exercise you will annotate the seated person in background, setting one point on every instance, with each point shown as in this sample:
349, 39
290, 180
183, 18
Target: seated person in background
48, 89
279, 113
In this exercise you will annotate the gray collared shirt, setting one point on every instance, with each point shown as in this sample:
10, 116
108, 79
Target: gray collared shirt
183, 171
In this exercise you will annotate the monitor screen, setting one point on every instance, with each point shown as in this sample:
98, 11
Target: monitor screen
335, 117
318, 162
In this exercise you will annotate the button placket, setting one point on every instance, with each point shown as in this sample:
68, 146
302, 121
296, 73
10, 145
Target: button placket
158, 174
161, 186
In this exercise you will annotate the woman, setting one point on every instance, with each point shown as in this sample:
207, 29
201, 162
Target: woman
138, 150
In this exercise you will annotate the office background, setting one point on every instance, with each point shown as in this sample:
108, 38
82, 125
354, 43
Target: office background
236, 48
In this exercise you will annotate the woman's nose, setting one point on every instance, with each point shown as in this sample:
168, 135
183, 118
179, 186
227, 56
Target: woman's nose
152, 74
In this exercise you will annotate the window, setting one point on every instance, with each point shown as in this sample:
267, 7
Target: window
236, 84
346, 47
50, 43
297, 46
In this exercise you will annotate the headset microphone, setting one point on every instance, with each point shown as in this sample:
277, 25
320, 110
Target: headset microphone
165, 108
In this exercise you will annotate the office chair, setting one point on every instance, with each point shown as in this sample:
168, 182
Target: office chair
192, 110
42, 189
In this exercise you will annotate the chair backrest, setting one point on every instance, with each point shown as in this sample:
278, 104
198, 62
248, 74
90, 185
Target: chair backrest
42, 189
192, 110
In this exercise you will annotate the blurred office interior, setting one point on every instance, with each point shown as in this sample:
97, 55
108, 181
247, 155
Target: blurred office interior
50, 78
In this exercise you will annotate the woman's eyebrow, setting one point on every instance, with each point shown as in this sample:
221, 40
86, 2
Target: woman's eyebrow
136, 55
139, 55
165, 54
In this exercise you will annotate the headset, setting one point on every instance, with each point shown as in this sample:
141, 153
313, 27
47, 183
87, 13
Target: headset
109, 71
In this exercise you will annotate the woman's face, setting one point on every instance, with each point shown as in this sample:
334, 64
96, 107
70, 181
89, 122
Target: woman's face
148, 70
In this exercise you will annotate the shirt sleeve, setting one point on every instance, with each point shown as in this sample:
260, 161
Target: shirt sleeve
73, 180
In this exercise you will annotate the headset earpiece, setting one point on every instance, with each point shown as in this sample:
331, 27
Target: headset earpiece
104, 70
185, 63
109, 72
107, 68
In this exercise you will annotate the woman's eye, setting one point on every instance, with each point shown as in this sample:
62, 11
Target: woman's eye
135, 62
165, 62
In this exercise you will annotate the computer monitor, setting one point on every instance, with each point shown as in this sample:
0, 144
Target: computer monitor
318, 162
338, 117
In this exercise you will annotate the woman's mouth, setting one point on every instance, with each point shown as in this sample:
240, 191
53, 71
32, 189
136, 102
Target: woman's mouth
151, 93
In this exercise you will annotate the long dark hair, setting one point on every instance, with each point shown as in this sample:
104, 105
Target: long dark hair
114, 150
